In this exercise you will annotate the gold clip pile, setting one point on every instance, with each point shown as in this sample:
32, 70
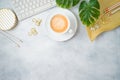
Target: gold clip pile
33, 31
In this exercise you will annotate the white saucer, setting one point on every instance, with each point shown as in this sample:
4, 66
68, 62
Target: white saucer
66, 36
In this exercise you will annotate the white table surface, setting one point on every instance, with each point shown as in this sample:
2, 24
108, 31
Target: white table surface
40, 58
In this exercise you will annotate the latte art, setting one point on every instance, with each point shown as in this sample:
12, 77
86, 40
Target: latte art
59, 23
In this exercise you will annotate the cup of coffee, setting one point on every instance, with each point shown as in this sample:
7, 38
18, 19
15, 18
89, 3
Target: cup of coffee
59, 24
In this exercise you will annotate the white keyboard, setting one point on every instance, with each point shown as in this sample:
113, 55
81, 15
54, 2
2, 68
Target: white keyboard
27, 8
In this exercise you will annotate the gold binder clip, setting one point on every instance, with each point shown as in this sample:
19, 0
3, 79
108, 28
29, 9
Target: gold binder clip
37, 21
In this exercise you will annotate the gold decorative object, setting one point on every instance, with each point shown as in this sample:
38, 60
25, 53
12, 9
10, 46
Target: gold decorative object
32, 32
108, 20
8, 19
37, 21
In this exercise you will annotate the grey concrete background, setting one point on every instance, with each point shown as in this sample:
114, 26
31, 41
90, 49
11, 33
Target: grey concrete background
40, 58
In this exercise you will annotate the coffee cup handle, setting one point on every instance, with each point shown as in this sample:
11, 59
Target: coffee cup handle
70, 31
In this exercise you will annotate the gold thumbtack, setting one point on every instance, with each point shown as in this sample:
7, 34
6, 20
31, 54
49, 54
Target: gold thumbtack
37, 21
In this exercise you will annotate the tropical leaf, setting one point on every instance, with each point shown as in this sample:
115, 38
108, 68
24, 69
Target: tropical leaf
89, 12
75, 2
67, 3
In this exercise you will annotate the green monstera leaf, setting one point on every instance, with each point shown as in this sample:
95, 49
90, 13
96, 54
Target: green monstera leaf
75, 2
89, 12
67, 3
